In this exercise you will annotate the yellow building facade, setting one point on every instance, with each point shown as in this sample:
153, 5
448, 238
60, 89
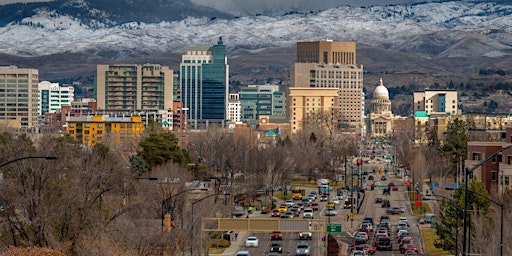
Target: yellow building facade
310, 104
89, 130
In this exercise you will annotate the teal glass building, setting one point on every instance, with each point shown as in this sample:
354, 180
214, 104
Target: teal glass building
204, 85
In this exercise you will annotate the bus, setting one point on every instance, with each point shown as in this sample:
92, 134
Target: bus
297, 193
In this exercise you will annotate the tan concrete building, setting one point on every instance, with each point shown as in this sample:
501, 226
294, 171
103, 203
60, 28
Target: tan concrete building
327, 52
347, 79
435, 101
330, 64
309, 104
19, 96
130, 87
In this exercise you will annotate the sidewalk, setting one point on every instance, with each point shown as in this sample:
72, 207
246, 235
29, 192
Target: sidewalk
238, 244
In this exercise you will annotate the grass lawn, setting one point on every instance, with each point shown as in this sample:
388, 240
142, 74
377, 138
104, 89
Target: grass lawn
429, 236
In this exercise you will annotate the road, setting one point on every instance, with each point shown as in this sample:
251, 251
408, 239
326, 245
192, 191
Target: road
368, 209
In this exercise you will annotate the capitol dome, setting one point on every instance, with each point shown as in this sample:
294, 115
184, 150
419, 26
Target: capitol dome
381, 92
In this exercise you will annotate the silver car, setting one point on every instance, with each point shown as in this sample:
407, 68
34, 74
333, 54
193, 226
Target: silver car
303, 249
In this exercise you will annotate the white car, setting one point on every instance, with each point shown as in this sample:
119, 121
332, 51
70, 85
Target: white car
336, 201
252, 241
289, 203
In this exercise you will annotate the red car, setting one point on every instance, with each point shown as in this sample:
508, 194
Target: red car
395, 189
275, 213
315, 206
409, 247
276, 235
370, 249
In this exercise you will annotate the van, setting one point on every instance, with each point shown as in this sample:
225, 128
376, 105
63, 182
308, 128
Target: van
243, 253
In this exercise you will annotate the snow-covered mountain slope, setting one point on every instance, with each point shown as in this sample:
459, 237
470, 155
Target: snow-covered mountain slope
449, 29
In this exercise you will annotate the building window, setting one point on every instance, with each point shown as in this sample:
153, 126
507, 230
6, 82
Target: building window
494, 175
509, 159
477, 156
507, 181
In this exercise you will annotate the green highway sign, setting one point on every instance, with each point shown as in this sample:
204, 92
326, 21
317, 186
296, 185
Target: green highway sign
333, 228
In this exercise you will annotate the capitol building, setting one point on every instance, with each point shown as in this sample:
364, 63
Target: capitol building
380, 121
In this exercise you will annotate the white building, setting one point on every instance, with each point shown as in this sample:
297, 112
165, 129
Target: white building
52, 97
234, 107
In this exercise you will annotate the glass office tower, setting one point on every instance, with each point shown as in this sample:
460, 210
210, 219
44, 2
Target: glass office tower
204, 85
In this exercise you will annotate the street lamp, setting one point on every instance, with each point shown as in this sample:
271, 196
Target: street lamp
27, 157
192, 218
166, 202
468, 172
501, 219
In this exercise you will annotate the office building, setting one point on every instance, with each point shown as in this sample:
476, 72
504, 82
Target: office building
331, 64
436, 101
131, 87
327, 52
262, 100
315, 106
204, 85
121, 131
234, 107
52, 97
19, 96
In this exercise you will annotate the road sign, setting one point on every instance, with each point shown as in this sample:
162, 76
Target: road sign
333, 228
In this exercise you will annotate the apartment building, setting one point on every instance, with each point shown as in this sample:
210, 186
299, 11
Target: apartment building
121, 131
19, 96
131, 87
234, 107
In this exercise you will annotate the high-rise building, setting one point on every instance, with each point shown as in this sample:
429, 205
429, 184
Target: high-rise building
436, 101
19, 96
317, 106
331, 64
262, 100
327, 52
131, 87
52, 97
234, 107
204, 84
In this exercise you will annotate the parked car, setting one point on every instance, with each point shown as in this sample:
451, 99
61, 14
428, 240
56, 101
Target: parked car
252, 241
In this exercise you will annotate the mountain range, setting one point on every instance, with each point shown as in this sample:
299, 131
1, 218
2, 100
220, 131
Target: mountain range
418, 43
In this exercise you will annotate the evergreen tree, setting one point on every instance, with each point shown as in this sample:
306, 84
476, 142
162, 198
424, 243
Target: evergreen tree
451, 214
456, 143
158, 148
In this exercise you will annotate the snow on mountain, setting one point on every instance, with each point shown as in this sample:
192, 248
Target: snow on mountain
444, 29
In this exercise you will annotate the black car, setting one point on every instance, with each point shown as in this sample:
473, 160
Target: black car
386, 203
276, 247
384, 243
378, 200
383, 178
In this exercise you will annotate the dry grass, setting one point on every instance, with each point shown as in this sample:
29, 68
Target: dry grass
429, 236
